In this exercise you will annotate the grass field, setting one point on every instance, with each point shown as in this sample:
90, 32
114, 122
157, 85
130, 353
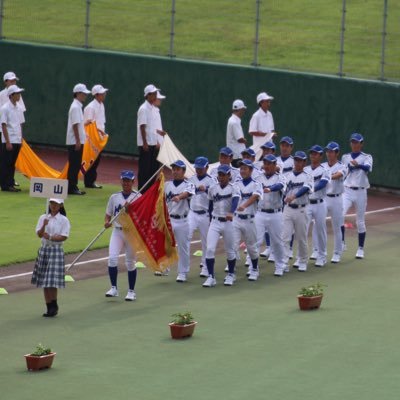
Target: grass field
251, 340
299, 35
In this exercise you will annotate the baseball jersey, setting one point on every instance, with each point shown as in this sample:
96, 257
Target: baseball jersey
75, 116
357, 177
295, 181
222, 198
117, 201
235, 173
175, 188
262, 121
319, 173
199, 201
95, 111
147, 116
57, 225
234, 132
13, 117
271, 200
335, 186
246, 189
285, 164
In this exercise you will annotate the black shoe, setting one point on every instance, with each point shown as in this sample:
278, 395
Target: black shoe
77, 192
11, 189
94, 186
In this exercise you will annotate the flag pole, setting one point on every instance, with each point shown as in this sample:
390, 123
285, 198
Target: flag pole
111, 221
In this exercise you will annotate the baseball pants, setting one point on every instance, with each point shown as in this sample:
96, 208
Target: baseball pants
334, 206
200, 222
117, 244
358, 198
217, 229
317, 213
181, 233
246, 228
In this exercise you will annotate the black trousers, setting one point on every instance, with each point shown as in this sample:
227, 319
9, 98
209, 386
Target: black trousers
91, 174
75, 161
8, 158
148, 165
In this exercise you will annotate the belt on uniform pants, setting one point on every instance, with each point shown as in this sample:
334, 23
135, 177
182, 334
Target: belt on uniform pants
334, 195
220, 219
355, 188
200, 212
296, 205
118, 227
244, 216
316, 201
271, 210
176, 216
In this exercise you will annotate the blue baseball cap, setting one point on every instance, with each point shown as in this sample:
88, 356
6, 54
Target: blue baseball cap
227, 151
248, 163
201, 162
249, 151
269, 145
269, 158
179, 163
332, 146
127, 175
357, 137
224, 169
316, 148
300, 154
287, 139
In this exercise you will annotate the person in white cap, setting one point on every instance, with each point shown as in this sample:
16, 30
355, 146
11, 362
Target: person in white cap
234, 133
76, 137
262, 123
147, 137
95, 112
10, 79
11, 121
159, 127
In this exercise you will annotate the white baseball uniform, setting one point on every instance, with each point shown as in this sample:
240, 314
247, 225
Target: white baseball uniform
286, 164
235, 173
178, 212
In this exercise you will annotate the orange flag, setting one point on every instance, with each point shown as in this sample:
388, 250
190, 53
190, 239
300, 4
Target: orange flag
147, 228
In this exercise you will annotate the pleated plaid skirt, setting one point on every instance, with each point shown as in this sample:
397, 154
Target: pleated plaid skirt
49, 271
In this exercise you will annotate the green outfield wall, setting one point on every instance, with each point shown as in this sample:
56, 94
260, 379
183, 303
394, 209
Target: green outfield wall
310, 108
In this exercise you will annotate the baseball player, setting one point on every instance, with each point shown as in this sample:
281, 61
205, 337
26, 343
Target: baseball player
250, 192
359, 165
225, 158
261, 125
224, 198
334, 200
316, 210
249, 154
269, 215
234, 133
299, 185
199, 217
118, 242
177, 195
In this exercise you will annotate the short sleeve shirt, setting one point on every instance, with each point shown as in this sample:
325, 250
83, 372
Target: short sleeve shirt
13, 117
75, 116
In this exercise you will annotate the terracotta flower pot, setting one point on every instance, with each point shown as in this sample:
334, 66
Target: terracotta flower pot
309, 303
36, 363
182, 331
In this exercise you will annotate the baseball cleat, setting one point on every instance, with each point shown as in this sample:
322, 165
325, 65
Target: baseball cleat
229, 280
360, 253
296, 264
335, 258
113, 292
302, 267
320, 262
204, 272
130, 296
314, 255
265, 253
254, 274
278, 272
271, 258
210, 282
181, 278
226, 269
248, 261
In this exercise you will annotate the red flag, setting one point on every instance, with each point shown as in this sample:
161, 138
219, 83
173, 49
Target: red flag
147, 227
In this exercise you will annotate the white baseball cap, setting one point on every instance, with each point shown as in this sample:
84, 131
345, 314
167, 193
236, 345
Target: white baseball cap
238, 105
160, 96
14, 89
80, 88
150, 89
263, 96
58, 201
10, 76
98, 89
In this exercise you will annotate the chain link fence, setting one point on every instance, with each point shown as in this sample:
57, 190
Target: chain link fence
345, 38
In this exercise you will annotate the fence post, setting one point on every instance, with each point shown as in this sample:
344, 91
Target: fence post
87, 24
1, 18
172, 33
384, 33
343, 28
256, 40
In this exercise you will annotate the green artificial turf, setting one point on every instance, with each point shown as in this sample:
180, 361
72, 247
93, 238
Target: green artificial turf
297, 34
20, 213
251, 340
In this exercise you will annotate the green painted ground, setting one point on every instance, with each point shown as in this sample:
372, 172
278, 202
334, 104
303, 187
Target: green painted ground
297, 34
251, 340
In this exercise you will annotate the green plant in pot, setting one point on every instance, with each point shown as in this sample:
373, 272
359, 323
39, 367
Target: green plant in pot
41, 358
182, 325
310, 296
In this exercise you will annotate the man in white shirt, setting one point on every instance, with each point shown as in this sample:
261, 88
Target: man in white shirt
234, 133
10, 79
262, 123
11, 121
76, 137
95, 112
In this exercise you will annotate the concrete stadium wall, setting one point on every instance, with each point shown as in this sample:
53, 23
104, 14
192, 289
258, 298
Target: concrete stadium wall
310, 108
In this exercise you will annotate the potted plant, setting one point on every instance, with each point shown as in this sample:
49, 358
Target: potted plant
310, 297
182, 325
41, 358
